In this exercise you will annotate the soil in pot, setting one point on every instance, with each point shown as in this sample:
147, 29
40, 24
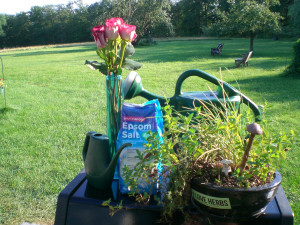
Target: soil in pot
209, 174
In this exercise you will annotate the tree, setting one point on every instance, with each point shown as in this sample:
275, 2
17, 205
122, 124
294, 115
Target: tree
294, 15
2, 32
17, 30
144, 14
2, 24
43, 20
283, 9
249, 18
148, 14
192, 17
77, 13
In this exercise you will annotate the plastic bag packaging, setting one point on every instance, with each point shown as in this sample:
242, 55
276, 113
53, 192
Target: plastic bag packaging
136, 121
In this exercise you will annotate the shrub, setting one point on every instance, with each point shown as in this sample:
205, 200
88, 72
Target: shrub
163, 29
294, 68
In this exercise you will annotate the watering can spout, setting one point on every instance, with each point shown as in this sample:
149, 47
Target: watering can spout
133, 87
109, 173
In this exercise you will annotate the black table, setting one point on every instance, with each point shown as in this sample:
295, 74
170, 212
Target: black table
80, 204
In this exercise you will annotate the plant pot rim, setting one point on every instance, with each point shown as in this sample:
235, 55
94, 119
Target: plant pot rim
275, 182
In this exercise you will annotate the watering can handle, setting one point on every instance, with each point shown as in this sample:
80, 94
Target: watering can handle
227, 87
86, 144
205, 76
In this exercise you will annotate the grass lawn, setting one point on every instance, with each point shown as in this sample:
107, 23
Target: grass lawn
53, 100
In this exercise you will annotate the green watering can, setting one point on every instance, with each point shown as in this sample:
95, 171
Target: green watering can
182, 101
98, 163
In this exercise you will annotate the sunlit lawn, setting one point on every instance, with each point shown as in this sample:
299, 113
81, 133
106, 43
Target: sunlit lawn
53, 100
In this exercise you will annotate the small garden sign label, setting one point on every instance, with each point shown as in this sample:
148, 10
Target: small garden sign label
218, 203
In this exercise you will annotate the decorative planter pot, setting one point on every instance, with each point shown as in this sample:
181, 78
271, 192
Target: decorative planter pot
233, 204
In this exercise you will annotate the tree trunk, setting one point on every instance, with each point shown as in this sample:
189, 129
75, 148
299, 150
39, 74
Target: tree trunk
251, 41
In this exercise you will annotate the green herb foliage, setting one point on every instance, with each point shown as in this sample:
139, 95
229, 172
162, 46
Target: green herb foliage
204, 137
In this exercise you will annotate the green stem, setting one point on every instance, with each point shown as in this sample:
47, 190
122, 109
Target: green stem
110, 57
105, 59
114, 93
116, 47
116, 53
122, 53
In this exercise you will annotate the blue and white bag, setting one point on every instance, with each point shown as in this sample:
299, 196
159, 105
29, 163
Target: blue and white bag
136, 121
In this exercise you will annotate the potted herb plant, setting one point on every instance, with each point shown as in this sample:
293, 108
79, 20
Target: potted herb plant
209, 160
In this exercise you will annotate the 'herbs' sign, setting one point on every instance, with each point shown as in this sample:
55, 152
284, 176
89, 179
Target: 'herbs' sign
218, 203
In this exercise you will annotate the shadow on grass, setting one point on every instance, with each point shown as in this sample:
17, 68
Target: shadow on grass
5, 110
190, 50
265, 63
185, 51
67, 50
278, 88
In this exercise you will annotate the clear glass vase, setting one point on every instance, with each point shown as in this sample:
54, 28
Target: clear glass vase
114, 101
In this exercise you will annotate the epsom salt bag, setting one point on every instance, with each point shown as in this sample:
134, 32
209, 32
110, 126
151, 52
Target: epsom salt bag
136, 121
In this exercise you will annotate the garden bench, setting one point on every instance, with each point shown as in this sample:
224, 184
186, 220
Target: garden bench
244, 60
217, 50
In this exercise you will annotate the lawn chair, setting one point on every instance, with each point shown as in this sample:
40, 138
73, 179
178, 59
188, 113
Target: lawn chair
217, 50
244, 60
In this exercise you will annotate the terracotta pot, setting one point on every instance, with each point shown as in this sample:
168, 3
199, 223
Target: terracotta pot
233, 204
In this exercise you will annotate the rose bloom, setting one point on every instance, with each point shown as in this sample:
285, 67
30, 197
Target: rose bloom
127, 32
112, 28
98, 33
118, 21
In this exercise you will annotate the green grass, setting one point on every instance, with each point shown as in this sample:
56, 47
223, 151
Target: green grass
54, 100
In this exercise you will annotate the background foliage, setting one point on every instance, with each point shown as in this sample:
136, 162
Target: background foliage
248, 19
294, 68
52, 24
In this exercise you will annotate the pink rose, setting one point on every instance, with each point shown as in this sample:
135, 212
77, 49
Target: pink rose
119, 21
112, 28
98, 33
127, 32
